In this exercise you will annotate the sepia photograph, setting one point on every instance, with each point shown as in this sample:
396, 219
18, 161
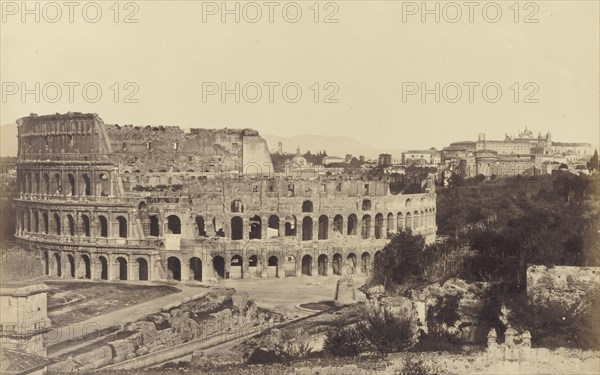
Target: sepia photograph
308, 187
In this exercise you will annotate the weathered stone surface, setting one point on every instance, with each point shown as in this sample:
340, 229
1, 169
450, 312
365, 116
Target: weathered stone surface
122, 348
63, 366
101, 356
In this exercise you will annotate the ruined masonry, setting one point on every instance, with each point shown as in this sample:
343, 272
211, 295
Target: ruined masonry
110, 202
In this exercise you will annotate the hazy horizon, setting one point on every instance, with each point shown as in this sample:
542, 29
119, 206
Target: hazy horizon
171, 58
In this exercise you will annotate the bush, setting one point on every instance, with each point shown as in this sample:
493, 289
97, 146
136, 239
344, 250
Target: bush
387, 333
264, 357
346, 342
416, 366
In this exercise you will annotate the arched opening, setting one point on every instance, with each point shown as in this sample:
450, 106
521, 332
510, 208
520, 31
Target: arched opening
336, 264
338, 224
322, 265
352, 223
142, 269
27, 220
377, 259
378, 226
219, 266
71, 261
71, 225
87, 185
87, 266
273, 228
174, 224
237, 228
36, 222
307, 265
196, 268
365, 229
71, 189
390, 227
58, 184
122, 226
57, 224
104, 268
408, 202
46, 223
365, 262
400, 223
46, 263
366, 205
290, 225
122, 268
351, 262
58, 264
289, 266
236, 269
255, 228
307, 206
103, 226
200, 226
85, 225
253, 267
273, 266
323, 227
218, 227
307, 227
174, 268
46, 179
237, 206
104, 184
154, 227
409, 221
37, 183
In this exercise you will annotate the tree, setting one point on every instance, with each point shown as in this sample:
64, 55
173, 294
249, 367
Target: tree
399, 259
593, 164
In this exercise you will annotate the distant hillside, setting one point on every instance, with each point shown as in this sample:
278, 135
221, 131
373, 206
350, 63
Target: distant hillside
8, 140
335, 146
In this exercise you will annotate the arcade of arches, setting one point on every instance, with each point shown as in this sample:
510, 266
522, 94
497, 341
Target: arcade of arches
131, 267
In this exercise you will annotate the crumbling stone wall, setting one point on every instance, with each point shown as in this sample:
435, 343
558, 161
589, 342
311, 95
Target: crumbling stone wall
156, 203
192, 319
169, 149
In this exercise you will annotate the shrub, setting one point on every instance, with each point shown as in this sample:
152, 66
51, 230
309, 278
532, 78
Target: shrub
387, 333
416, 366
346, 342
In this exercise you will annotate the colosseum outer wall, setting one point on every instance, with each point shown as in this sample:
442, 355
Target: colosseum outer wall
153, 203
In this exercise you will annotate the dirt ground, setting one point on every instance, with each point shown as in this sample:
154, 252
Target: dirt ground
283, 295
72, 302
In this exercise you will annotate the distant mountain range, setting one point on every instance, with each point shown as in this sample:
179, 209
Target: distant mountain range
335, 146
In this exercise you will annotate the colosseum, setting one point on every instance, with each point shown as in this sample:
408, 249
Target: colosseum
110, 202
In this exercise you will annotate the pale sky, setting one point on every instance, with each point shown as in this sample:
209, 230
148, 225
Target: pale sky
370, 54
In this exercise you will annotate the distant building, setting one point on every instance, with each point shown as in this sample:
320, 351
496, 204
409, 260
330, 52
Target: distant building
431, 156
385, 160
328, 160
521, 154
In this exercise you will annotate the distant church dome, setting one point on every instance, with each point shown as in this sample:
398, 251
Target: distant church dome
298, 159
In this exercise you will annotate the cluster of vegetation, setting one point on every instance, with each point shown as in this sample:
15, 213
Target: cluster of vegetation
381, 333
550, 220
494, 231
